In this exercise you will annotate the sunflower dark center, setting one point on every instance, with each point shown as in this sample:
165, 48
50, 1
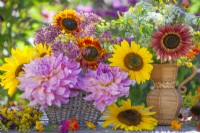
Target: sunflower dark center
92, 55
180, 116
130, 117
171, 41
69, 24
195, 110
133, 61
18, 70
43, 54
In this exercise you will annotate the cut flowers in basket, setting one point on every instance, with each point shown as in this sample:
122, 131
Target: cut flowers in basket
69, 56
168, 31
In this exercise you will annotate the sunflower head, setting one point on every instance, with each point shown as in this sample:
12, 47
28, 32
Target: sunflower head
130, 118
180, 116
195, 110
67, 20
133, 59
91, 51
13, 68
43, 50
171, 42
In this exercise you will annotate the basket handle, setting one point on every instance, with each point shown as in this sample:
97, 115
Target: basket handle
181, 88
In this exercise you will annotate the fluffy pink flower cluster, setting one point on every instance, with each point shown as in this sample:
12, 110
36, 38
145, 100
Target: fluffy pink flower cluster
105, 84
50, 80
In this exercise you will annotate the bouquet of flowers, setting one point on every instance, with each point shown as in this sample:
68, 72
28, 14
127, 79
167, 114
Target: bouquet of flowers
75, 71
67, 64
168, 31
159, 33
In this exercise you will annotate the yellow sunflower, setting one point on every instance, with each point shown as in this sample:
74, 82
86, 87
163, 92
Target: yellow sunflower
95, 51
42, 50
67, 20
133, 59
13, 68
129, 118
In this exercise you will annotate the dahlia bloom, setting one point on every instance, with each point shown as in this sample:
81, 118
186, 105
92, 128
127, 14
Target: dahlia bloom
49, 81
106, 84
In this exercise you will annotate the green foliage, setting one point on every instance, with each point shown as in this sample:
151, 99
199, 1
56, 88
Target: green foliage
195, 6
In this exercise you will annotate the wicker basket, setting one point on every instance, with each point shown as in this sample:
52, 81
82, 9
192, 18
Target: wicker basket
76, 107
165, 98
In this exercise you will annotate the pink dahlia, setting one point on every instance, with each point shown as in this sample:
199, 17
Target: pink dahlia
106, 84
171, 42
49, 81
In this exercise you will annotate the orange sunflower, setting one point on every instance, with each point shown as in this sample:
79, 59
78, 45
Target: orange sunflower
171, 42
67, 20
91, 52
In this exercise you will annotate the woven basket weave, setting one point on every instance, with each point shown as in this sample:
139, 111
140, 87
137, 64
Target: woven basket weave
76, 107
165, 98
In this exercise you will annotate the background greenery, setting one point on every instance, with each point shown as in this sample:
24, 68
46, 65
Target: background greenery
19, 19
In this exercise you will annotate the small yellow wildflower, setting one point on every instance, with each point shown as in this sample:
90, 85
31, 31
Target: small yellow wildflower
90, 125
154, 9
130, 21
179, 62
131, 9
189, 64
197, 33
175, 125
39, 126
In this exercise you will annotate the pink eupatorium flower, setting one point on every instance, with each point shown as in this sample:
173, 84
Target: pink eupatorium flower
49, 81
106, 84
46, 34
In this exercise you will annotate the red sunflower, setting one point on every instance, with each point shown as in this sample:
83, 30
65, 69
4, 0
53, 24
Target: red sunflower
171, 42
91, 50
67, 20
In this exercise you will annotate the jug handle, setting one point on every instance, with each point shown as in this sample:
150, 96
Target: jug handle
181, 88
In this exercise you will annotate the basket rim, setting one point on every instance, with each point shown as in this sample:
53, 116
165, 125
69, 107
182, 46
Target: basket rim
167, 65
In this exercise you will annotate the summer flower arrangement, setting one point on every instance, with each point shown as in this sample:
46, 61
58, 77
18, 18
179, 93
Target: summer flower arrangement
69, 57
171, 36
